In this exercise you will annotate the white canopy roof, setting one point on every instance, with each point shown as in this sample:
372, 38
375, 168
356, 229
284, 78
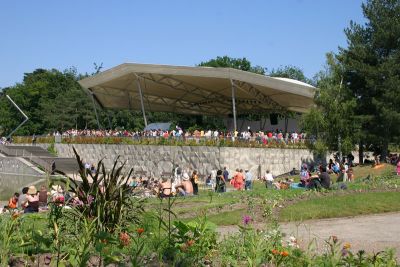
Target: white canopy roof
196, 90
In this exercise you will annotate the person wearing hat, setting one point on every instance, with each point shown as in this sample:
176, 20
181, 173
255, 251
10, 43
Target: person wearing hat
33, 200
185, 188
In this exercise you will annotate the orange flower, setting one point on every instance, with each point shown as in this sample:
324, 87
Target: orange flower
140, 231
190, 243
275, 252
347, 246
124, 238
284, 253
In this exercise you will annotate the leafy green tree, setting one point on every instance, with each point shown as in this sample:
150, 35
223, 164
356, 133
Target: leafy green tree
332, 121
52, 100
371, 65
290, 72
235, 63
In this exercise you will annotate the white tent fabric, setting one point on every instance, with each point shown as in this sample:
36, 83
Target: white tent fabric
196, 90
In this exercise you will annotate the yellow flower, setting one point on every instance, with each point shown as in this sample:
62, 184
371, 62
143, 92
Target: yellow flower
347, 246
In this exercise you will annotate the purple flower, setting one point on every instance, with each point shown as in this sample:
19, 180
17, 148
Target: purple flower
90, 199
246, 219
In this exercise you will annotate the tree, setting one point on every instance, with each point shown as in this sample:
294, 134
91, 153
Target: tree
332, 121
290, 72
52, 100
235, 63
371, 64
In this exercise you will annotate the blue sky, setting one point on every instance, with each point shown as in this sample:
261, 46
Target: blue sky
270, 33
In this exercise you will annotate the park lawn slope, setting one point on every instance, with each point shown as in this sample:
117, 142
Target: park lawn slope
342, 206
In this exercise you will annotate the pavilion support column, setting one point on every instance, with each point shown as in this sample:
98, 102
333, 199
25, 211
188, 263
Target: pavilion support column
286, 124
141, 99
95, 112
234, 107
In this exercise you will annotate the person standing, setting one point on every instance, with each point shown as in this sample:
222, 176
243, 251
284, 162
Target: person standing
220, 185
248, 180
269, 179
195, 182
398, 167
238, 179
226, 174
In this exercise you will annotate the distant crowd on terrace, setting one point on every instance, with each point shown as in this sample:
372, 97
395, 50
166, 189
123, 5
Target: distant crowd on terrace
261, 136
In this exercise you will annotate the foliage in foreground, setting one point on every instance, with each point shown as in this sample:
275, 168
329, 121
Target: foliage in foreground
106, 226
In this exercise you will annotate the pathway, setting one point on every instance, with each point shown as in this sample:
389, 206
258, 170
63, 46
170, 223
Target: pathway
372, 233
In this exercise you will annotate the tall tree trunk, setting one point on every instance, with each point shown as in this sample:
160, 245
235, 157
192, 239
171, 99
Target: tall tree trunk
385, 150
361, 153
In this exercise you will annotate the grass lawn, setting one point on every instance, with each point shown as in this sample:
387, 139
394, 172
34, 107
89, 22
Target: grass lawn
342, 206
365, 170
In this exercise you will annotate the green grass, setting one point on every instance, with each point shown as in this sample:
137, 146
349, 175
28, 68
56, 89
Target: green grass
342, 206
365, 170
227, 218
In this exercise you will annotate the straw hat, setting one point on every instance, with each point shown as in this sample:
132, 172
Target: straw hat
32, 190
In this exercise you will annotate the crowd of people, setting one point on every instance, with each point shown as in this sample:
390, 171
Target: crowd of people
177, 132
4, 141
31, 200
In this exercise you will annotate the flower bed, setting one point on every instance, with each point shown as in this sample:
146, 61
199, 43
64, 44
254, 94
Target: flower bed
164, 141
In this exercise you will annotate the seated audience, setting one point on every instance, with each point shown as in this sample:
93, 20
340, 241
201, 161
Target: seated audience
57, 194
165, 188
323, 180
13, 202
185, 188
43, 196
32, 200
22, 202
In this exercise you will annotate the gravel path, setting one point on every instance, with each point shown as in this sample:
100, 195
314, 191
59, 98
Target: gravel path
372, 233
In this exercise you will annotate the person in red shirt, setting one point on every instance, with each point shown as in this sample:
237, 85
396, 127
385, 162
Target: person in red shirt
12, 203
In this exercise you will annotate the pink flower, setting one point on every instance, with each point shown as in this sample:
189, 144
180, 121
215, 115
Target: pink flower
246, 219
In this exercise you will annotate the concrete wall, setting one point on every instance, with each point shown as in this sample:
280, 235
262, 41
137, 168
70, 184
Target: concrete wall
10, 183
158, 159
15, 166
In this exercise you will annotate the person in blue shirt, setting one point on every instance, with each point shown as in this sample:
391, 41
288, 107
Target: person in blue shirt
226, 174
248, 177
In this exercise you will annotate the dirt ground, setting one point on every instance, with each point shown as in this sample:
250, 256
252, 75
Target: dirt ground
371, 233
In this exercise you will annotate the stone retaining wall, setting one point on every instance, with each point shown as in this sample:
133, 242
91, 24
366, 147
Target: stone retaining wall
157, 159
